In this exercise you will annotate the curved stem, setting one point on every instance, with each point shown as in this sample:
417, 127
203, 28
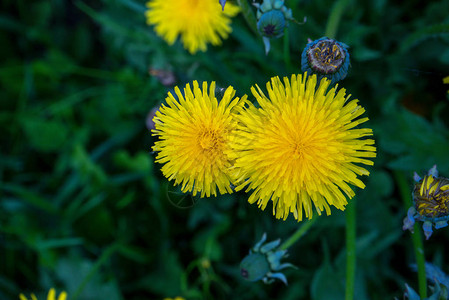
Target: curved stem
334, 19
416, 235
350, 249
298, 233
248, 13
287, 58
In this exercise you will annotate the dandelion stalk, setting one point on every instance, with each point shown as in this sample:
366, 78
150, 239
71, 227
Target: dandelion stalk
248, 14
298, 233
350, 249
286, 49
416, 236
334, 19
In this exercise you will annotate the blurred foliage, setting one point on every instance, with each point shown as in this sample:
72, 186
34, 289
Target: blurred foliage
85, 209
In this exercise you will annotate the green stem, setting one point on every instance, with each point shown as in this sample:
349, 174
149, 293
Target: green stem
248, 14
350, 249
286, 49
335, 17
103, 258
298, 233
416, 235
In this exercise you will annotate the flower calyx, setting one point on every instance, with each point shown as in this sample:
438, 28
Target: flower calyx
264, 262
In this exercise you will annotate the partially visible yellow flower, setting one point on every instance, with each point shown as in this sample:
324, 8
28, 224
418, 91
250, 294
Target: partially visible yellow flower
198, 22
176, 298
51, 296
194, 133
446, 80
430, 202
301, 148
431, 196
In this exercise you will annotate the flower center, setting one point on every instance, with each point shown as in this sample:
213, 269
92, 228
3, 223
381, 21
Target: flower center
209, 140
298, 149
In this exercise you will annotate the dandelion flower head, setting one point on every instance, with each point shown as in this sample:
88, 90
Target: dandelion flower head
194, 133
51, 296
198, 22
301, 147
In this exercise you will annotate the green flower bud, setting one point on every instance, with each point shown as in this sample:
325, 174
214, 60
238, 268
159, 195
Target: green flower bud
264, 262
272, 24
272, 17
254, 267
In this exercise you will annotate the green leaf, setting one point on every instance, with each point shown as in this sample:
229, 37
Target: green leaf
423, 34
45, 135
73, 270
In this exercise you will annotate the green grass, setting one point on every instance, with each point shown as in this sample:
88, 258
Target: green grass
85, 209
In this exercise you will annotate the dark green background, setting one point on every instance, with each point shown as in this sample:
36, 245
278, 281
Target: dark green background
84, 209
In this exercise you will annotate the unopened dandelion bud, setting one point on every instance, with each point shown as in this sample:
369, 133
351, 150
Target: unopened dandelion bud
272, 19
272, 24
431, 197
430, 202
254, 267
264, 262
326, 58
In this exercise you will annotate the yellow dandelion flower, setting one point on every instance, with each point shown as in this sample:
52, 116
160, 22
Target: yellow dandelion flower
446, 80
301, 147
194, 133
198, 22
51, 296
176, 298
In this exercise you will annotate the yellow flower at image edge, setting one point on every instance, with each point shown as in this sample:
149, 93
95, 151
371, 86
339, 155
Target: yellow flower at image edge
198, 22
446, 80
176, 298
301, 146
194, 136
51, 296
